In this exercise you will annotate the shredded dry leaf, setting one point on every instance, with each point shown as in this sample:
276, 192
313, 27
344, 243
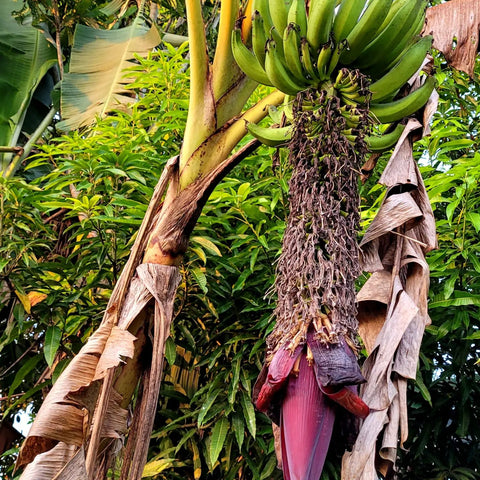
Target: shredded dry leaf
47, 465
392, 311
455, 28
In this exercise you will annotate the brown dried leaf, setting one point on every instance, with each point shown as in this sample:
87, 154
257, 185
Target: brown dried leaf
137, 298
372, 301
377, 391
75, 468
118, 347
388, 450
455, 28
115, 424
359, 464
46, 465
60, 419
395, 211
400, 168
428, 112
406, 359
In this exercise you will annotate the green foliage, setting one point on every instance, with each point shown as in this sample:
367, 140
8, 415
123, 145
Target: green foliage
66, 234
66, 227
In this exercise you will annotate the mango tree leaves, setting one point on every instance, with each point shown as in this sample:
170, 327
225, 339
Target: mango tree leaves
53, 336
24, 370
217, 440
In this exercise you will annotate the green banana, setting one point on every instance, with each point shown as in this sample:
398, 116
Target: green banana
392, 57
279, 14
291, 49
323, 61
350, 101
334, 58
376, 51
398, 109
288, 107
396, 6
297, 14
341, 74
263, 7
351, 120
346, 18
365, 29
259, 38
402, 71
307, 62
319, 22
348, 81
380, 143
246, 60
277, 73
275, 114
273, 137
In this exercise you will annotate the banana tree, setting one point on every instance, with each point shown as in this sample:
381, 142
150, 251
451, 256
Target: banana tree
25, 56
84, 417
351, 79
101, 380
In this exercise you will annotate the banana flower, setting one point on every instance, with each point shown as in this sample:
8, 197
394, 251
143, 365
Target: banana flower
300, 391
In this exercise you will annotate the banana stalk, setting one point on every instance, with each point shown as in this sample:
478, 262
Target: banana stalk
218, 92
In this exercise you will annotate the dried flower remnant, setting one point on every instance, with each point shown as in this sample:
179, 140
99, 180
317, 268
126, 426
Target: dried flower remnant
311, 367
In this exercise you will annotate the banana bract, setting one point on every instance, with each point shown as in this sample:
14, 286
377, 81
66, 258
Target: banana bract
302, 395
332, 45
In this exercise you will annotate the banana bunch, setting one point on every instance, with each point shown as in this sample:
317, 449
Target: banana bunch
279, 132
325, 46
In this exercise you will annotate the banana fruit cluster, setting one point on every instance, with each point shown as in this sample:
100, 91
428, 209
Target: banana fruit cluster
295, 47
278, 136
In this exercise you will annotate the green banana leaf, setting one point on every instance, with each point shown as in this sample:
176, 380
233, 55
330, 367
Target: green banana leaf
25, 57
95, 83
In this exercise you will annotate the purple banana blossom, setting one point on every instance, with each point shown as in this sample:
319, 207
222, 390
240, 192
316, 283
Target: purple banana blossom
306, 424
300, 395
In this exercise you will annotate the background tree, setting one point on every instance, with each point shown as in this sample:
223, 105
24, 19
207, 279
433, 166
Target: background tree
255, 213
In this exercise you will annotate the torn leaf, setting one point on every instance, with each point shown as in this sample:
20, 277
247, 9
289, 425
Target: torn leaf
392, 311
455, 28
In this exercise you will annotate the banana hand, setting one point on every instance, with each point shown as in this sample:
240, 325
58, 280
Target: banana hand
246, 60
387, 86
273, 137
398, 109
